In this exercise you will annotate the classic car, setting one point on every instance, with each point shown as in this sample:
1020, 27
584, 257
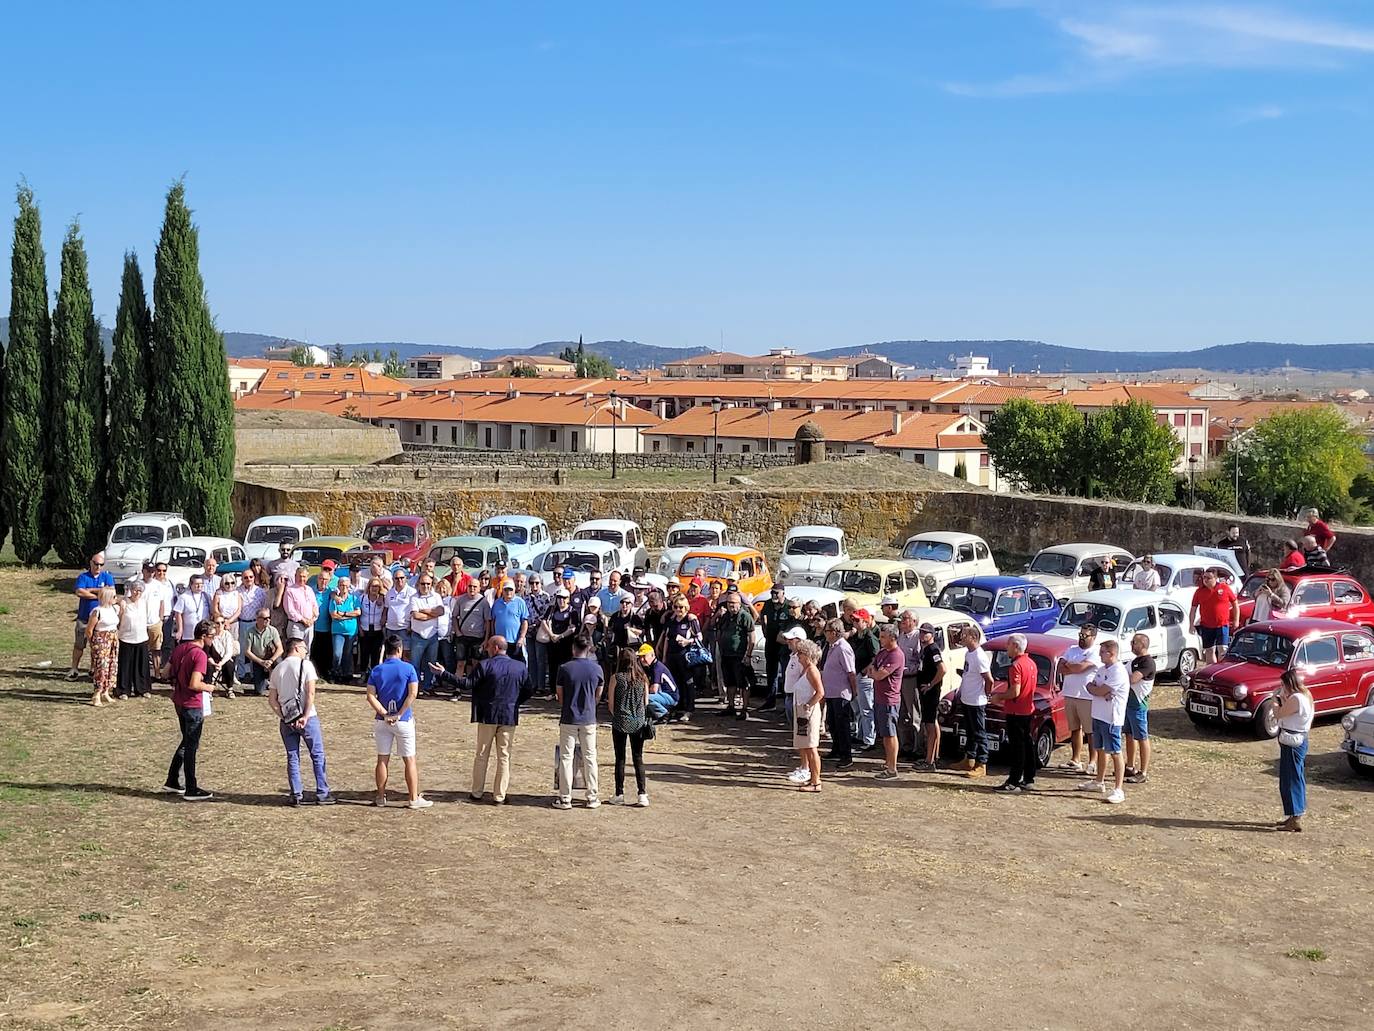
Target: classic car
1065, 568
949, 627
625, 534
1123, 612
525, 537
866, 581
746, 566
582, 557
135, 537
687, 534
809, 552
267, 534
939, 557
1002, 604
1317, 596
311, 551
1049, 724
827, 601
186, 556
405, 536
477, 553
1335, 659
1180, 575
1358, 744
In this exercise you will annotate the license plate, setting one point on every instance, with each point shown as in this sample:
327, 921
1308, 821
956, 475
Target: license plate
1205, 710
1368, 760
993, 743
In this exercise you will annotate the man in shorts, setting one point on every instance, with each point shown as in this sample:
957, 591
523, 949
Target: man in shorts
391, 690
1109, 687
1213, 615
1079, 663
1142, 673
930, 680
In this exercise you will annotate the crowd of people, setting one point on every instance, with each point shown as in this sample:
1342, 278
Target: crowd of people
863, 681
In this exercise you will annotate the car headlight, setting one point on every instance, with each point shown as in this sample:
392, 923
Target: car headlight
1348, 722
930, 584
944, 706
1240, 691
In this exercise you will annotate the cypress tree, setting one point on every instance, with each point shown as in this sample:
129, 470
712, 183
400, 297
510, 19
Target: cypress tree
23, 447
191, 378
130, 436
77, 413
4, 525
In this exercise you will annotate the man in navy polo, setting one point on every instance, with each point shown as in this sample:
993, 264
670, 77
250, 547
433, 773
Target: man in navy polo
88, 586
391, 690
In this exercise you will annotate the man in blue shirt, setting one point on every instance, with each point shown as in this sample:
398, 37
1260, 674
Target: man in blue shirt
579, 685
611, 594
663, 692
391, 690
510, 618
88, 586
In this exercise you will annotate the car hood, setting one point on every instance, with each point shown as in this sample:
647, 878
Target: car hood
811, 563
129, 550
1229, 674
1050, 580
928, 565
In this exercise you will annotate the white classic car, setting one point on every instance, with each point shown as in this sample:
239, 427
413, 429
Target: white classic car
939, 557
687, 534
1123, 612
809, 552
1066, 568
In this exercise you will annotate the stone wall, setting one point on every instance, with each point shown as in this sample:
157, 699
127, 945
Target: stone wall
371, 477
349, 442
439, 454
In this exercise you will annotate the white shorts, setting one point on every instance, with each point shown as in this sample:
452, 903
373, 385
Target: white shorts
395, 738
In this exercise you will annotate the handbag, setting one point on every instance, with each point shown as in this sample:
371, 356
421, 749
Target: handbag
543, 635
696, 655
293, 706
1292, 738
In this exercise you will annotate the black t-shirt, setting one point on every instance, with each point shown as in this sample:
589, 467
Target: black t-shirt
1145, 666
931, 657
686, 627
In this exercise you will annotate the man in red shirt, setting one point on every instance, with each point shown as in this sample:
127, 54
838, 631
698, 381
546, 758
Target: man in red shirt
697, 603
1017, 699
188, 666
1214, 613
1319, 530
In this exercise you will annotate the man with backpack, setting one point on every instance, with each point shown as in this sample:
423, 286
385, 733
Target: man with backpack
292, 696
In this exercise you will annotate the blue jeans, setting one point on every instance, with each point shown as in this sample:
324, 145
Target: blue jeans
862, 704
314, 743
538, 662
404, 635
976, 729
1293, 778
659, 704
423, 651
343, 656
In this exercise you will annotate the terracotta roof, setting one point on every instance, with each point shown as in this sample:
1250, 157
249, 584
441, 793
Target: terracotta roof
782, 424
534, 409
931, 431
327, 379
262, 363
532, 359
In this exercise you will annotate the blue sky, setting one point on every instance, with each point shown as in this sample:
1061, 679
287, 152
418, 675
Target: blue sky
1087, 172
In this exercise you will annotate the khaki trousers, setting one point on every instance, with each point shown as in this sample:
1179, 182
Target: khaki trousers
489, 734
569, 737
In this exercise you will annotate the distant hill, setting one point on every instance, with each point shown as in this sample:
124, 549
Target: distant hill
1033, 355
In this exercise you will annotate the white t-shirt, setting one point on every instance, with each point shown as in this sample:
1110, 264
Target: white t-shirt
107, 618
424, 627
157, 595
973, 689
1076, 684
133, 621
1112, 709
793, 676
1146, 580
193, 608
446, 616
288, 672
398, 608
1301, 721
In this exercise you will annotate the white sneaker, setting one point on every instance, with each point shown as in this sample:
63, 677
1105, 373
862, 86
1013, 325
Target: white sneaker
1090, 769
559, 803
1074, 766
643, 802
1093, 785
799, 776
593, 803
616, 800
420, 803
1117, 796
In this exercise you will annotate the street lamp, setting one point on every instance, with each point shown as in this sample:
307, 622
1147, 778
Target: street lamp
1192, 486
1236, 437
715, 440
614, 398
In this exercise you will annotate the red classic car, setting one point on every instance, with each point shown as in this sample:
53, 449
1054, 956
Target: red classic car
1335, 658
405, 536
1049, 725
1317, 596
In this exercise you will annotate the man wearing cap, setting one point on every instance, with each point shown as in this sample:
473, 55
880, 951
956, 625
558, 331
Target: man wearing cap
888, 609
865, 644
509, 620
563, 625
773, 620
734, 630
539, 602
930, 682
626, 625
499, 579
397, 602
663, 690
88, 586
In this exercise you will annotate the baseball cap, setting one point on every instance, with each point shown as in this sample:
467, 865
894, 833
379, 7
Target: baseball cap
500, 563
562, 592
507, 586
589, 620
890, 599
328, 563
568, 574
593, 602
795, 634
863, 614
926, 628
776, 588
646, 649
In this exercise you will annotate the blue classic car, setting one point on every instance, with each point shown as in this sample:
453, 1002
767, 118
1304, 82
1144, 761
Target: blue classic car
1002, 604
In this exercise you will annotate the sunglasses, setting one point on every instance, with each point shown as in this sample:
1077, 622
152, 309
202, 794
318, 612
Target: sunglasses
97, 564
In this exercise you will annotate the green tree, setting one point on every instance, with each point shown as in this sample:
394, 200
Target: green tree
302, 355
23, 440
1295, 459
1036, 447
393, 366
76, 425
130, 436
588, 364
524, 372
192, 400
336, 355
1127, 454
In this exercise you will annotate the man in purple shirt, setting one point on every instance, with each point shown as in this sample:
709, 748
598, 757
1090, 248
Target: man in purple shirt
840, 682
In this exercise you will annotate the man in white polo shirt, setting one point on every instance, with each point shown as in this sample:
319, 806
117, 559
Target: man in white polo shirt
1079, 663
397, 601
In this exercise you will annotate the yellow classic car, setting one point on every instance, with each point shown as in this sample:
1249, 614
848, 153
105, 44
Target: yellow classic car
311, 551
866, 581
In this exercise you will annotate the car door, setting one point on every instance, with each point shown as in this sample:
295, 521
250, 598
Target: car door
1347, 599
954, 652
1043, 614
1357, 654
1144, 619
1319, 660
1313, 600
893, 584
1172, 625
982, 558
1011, 610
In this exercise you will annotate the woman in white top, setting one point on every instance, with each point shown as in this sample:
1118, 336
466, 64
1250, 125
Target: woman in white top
102, 631
808, 694
1271, 598
227, 603
132, 679
1295, 714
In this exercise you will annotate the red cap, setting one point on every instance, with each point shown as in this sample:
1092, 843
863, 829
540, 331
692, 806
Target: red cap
864, 613
328, 563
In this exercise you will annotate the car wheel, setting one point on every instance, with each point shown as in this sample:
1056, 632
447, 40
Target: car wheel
1267, 721
1044, 745
1187, 663
1360, 768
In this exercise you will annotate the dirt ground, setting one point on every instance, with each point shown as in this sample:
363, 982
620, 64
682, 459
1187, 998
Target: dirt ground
733, 902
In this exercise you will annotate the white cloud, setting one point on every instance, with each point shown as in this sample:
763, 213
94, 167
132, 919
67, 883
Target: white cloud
1115, 39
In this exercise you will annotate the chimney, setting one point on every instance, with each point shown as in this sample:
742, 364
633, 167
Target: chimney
453, 395
817, 407
896, 422
295, 395
512, 393
774, 405
348, 394
401, 395
866, 408
662, 408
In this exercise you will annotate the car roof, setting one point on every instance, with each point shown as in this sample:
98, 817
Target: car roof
285, 520
872, 565
815, 531
723, 552
1179, 560
944, 537
202, 542
1122, 597
332, 542
698, 524
1295, 575
605, 524
820, 595
407, 520
939, 617
1041, 644
466, 538
996, 583
581, 545
1295, 628
1079, 550
151, 517
513, 520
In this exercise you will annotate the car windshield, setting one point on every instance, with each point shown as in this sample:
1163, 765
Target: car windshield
1001, 662
183, 558
609, 536
1252, 585
1053, 563
812, 546
504, 533
389, 533
693, 538
314, 554
473, 558
858, 581
974, 600
135, 533
929, 551
273, 533
714, 566
579, 561
1253, 646
1106, 617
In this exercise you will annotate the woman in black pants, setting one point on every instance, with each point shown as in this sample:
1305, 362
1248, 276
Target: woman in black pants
628, 703
371, 627
680, 633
